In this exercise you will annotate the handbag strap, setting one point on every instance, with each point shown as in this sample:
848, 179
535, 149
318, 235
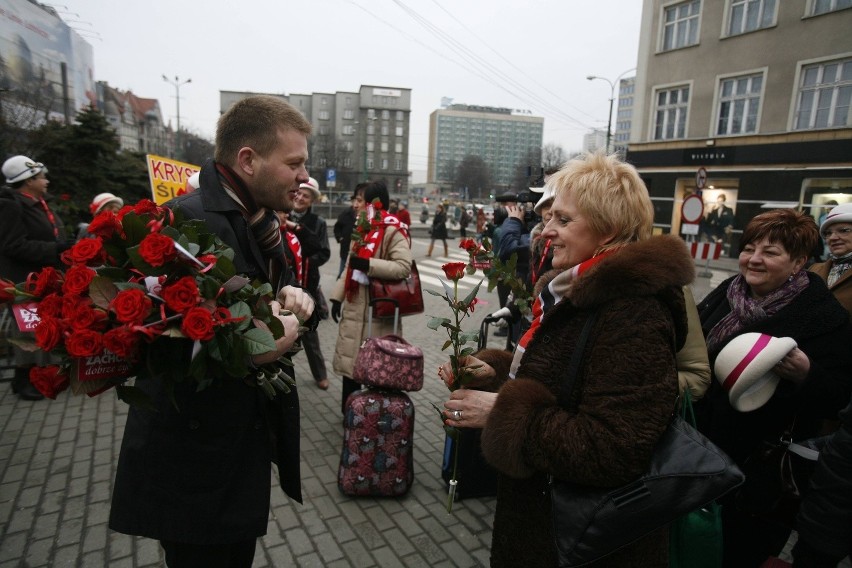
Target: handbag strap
577, 359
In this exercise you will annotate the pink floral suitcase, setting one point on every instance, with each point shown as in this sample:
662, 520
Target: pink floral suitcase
378, 435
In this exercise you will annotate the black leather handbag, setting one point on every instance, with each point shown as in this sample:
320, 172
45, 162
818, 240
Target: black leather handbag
687, 471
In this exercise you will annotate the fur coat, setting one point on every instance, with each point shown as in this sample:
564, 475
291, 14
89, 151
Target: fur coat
624, 397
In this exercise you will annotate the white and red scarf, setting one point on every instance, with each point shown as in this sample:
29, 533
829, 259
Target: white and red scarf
295, 248
368, 240
555, 291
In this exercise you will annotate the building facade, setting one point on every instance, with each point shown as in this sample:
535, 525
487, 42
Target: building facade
503, 138
137, 121
624, 115
749, 99
357, 136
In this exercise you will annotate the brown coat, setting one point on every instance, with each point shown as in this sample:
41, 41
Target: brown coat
842, 289
623, 400
391, 262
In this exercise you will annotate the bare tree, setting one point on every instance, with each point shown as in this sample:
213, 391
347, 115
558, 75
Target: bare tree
553, 156
474, 176
528, 171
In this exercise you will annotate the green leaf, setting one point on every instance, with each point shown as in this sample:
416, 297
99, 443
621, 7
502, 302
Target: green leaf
102, 291
447, 289
469, 298
435, 323
226, 266
434, 293
241, 310
257, 341
264, 289
448, 343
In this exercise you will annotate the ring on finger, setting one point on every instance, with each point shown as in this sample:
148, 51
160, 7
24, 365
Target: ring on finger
456, 415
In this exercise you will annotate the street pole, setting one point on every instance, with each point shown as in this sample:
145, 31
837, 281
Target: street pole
177, 83
612, 85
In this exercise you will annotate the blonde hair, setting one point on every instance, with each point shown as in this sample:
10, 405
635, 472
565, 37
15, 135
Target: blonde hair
254, 122
610, 196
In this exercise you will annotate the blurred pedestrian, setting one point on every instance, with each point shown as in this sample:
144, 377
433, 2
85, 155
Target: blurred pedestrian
32, 237
439, 230
403, 215
343, 228
836, 229
101, 202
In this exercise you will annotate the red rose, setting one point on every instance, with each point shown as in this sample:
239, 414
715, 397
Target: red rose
44, 282
69, 304
469, 245
50, 381
50, 306
131, 305
105, 225
454, 270
145, 207
48, 332
197, 324
84, 343
157, 249
77, 279
7, 291
86, 317
86, 251
123, 342
182, 295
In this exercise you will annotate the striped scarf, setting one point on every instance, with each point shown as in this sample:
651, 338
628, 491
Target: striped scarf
555, 291
263, 223
295, 248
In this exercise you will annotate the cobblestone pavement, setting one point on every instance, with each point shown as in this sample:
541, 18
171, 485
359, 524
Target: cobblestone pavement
58, 458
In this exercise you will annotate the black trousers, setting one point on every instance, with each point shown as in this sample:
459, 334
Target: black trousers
234, 555
311, 345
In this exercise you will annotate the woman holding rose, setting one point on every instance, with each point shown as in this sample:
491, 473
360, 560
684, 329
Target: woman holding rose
606, 262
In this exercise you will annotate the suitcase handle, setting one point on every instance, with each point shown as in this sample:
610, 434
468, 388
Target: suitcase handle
373, 302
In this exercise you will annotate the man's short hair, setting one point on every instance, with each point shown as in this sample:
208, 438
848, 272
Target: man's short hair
255, 122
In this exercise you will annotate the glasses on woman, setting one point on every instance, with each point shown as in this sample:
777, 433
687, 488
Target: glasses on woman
840, 232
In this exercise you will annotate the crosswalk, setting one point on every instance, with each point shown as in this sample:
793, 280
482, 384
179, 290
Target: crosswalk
430, 268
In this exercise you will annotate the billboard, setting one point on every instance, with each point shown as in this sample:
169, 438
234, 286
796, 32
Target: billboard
168, 177
34, 44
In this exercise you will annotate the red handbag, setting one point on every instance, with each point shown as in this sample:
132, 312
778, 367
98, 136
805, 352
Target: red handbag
407, 293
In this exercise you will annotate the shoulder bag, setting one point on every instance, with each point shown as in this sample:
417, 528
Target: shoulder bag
407, 292
686, 472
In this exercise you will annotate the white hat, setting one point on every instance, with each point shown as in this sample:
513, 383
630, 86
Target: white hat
101, 200
744, 368
548, 195
19, 168
839, 214
537, 189
193, 182
312, 186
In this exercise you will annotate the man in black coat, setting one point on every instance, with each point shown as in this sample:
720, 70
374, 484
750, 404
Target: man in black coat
31, 237
343, 229
194, 474
308, 221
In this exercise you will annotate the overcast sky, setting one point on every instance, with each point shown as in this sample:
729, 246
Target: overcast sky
526, 55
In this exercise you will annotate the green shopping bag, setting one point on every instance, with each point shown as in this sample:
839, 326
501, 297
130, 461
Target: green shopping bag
695, 540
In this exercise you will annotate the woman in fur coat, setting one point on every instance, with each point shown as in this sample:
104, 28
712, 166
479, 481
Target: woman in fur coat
627, 386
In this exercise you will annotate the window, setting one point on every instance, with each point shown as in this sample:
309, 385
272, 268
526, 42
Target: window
384, 163
400, 116
370, 145
385, 115
370, 128
670, 113
397, 148
398, 131
347, 162
825, 90
750, 15
385, 129
323, 130
347, 145
680, 28
348, 130
348, 114
739, 101
370, 163
323, 115
371, 113
384, 146
397, 164
824, 6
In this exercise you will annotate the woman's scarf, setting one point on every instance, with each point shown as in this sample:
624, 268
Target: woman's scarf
367, 239
746, 310
839, 265
555, 291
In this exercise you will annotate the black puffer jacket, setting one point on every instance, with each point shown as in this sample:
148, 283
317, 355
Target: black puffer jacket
27, 239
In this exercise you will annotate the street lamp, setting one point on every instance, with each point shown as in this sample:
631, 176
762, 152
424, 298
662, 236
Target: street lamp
177, 83
612, 85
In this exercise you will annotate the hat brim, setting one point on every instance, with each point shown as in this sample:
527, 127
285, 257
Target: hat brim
756, 382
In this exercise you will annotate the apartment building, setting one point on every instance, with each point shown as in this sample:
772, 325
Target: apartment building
750, 98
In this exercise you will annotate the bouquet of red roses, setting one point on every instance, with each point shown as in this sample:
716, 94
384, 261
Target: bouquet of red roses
153, 296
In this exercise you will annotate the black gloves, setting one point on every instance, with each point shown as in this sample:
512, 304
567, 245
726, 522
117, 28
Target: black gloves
335, 310
358, 263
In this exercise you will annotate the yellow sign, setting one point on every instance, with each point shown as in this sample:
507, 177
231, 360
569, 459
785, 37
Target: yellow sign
168, 177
